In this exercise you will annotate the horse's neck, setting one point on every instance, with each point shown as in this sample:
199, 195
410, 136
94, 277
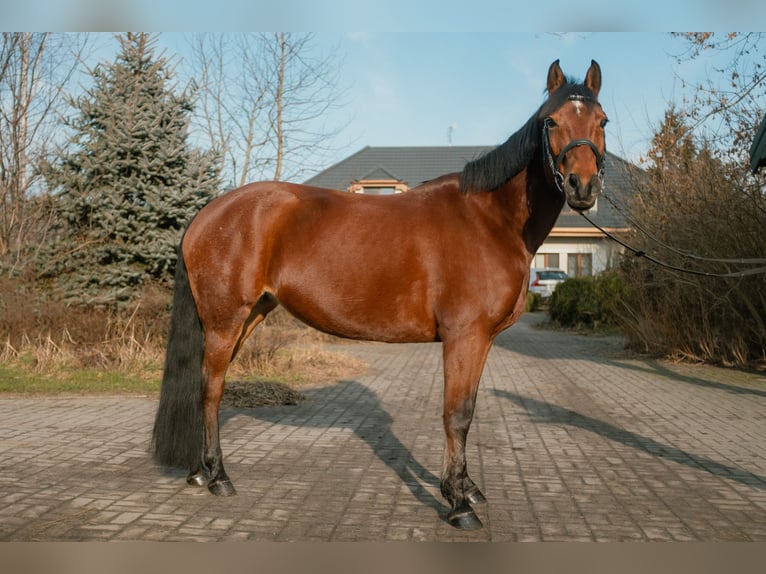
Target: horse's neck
544, 206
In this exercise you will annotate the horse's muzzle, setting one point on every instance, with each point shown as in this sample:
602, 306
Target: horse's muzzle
581, 196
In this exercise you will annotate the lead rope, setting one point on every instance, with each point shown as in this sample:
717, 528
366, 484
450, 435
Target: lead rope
640, 253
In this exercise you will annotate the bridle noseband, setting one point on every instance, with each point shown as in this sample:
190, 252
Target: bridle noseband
556, 164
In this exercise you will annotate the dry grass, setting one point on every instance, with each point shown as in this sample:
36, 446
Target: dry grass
280, 380
46, 347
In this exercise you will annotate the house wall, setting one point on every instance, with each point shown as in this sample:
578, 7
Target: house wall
604, 252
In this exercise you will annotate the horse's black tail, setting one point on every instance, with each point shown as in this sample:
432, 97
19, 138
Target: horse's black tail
177, 439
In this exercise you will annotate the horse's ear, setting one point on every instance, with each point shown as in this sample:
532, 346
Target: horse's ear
593, 78
555, 77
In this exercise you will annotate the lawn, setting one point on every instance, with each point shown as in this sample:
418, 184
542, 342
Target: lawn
20, 378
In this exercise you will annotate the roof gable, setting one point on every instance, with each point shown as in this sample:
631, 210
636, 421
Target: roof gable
379, 174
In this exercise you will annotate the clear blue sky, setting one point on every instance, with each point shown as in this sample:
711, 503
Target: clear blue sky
391, 15
423, 70
409, 89
421, 89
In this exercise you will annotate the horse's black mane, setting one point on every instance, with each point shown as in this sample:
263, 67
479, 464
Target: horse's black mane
497, 166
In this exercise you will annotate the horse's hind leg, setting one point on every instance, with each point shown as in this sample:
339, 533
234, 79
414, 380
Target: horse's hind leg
221, 347
464, 359
209, 470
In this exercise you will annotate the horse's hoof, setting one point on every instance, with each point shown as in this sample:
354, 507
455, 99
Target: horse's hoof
464, 519
197, 479
475, 496
221, 488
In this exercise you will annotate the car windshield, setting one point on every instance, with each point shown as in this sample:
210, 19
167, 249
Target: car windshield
552, 275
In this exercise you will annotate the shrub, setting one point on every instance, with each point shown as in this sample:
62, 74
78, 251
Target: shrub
587, 301
35, 322
40, 329
699, 209
534, 302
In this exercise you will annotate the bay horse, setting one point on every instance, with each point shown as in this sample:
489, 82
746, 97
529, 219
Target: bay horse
447, 261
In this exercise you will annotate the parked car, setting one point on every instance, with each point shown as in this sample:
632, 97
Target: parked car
544, 281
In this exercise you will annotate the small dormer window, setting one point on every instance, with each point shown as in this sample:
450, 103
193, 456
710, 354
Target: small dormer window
376, 189
378, 182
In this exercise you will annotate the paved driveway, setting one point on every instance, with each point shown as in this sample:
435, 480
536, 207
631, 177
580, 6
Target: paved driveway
572, 440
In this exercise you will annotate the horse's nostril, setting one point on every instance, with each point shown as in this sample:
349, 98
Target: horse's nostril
574, 180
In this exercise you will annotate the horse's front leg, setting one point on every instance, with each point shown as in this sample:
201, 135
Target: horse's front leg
464, 359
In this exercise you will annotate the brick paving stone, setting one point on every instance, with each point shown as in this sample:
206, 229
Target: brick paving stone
572, 440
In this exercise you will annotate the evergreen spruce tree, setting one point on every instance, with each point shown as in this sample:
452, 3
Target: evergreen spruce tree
129, 183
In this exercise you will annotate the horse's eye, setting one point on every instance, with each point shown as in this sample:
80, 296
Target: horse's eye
604, 122
550, 123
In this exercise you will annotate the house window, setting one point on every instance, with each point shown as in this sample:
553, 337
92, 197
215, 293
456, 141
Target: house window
377, 186
580, 264
373, 190
547, 260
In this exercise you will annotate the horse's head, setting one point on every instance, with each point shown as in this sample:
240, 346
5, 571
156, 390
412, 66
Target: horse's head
573, 136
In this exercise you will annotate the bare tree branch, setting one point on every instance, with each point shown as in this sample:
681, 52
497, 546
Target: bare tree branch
35, 69
262, 98
728, 105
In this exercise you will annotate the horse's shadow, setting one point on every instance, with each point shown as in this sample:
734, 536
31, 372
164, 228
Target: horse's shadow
542, 412
349, 404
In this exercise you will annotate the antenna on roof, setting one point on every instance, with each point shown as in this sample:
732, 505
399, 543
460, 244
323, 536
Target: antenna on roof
450, 129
